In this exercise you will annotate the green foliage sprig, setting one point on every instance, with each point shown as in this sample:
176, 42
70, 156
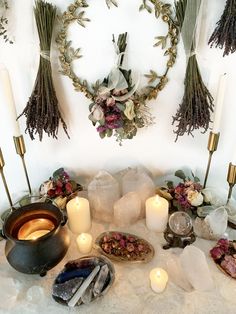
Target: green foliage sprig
4, 22
197, 104
42, 112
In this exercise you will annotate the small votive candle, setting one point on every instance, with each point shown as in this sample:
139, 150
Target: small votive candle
158, 278
84, 243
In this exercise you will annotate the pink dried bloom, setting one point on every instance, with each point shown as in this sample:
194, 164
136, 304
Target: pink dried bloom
130, 247
216, 253
117, 236
110, 102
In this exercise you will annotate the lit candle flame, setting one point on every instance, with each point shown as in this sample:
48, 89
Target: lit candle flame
158, 274
77, 200
157, 199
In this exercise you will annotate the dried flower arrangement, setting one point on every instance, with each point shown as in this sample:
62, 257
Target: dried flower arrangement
224, 35
59, 187
186, 195
4, 22
197, 104
42, 112
116, 116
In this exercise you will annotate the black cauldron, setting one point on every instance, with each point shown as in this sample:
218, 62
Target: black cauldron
35, 255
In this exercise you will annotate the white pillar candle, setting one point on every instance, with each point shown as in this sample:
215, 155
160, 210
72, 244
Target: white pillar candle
219, 103
84, 243
78, 215
5, 85
157, 209
158, 278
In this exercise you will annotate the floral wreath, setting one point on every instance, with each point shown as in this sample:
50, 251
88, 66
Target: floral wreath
117, 107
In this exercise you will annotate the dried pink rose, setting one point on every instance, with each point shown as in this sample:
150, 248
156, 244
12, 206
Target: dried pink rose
110, 102
122, 243
229, 265
106, 247
131, 239
117, 236
223, 244
130, 247
140, 248
216, 253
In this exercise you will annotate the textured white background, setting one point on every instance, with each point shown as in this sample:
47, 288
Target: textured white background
85, 152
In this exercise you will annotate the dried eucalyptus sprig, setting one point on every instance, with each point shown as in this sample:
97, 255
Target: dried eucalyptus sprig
109, 3
197, 104
224, 36
42, 113
4, 22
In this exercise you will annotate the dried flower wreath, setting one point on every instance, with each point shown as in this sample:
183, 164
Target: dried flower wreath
118, 108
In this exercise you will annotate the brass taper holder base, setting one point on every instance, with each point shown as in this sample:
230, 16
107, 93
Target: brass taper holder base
231, 178
20, 150
212, 147
2, 164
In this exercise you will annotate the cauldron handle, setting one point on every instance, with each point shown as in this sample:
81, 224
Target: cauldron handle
65, 218
2, 235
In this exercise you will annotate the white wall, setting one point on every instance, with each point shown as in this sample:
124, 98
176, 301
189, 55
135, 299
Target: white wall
85, 153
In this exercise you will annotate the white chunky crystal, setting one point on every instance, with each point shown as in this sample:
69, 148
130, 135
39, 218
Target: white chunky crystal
217, 221
176, 274
127, 209
195, 267
103, 192
137, 180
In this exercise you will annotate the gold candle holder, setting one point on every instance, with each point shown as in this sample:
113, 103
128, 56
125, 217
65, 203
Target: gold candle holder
2, 164
231, 178
21, 150
212, 147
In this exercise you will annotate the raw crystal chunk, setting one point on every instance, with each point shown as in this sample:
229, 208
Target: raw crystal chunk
88, 294
127, 209
195, 267
137, 180
67, 289
101, 280
175, 271
103, 192
218, 220
213, 226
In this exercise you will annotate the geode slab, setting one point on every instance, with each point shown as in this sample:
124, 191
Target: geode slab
71, 278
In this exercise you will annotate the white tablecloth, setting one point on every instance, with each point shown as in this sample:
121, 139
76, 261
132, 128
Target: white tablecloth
131, 292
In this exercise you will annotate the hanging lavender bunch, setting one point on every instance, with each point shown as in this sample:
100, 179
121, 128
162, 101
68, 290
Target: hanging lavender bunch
197, 104
224, 35
42, 112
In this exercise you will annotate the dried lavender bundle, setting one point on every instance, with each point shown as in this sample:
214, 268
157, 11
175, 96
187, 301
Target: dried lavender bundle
42, 112
224, 35
197, 104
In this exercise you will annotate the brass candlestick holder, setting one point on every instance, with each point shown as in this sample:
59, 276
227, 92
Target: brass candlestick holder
2, 164
21, 150
231, 178
212, 147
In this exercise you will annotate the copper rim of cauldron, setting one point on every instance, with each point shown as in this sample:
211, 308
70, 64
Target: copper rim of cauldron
33, 207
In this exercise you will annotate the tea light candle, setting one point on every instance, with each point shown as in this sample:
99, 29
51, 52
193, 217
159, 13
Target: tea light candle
84, 243
158, 278
78, 215
157, 209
